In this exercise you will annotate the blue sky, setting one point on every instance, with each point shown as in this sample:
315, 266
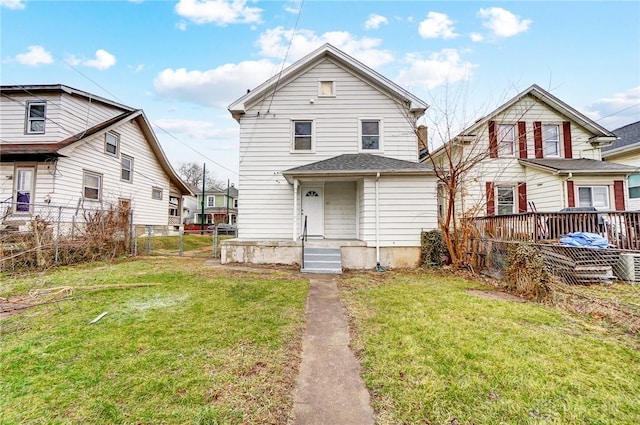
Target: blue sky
184, 61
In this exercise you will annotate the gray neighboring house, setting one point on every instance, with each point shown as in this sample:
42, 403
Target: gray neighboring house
626, 150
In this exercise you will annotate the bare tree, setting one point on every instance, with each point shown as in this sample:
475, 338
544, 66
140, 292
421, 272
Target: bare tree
191, 173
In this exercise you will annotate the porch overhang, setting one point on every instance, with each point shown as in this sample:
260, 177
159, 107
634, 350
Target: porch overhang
577, 166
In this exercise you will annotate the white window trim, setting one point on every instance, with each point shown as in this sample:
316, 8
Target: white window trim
156, 189
32, 189
130, 158
100, 181
28, 117
608, 197
380, 134
211, 198
514, 193
117, 137
632, 186
333, 88
513, 153
293, 136
544, 142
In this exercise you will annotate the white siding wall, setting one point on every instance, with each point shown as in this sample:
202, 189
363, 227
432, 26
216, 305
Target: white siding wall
340, 210
265, 141
633, 159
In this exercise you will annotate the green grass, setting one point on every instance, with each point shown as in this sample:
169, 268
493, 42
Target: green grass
203, 347
191, 244
433, 353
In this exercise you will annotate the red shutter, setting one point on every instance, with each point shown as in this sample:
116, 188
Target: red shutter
522, 138
566, 137
522, 197
491, 206
618, 194
493, 140
571, 200
537, 138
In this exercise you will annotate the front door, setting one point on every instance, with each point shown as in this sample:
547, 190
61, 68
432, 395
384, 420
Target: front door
313, 208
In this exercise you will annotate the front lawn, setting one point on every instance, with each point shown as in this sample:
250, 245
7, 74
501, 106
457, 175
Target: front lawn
199, 346
434, 353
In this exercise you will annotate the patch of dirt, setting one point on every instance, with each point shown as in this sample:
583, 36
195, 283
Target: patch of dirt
496, 295
14, 305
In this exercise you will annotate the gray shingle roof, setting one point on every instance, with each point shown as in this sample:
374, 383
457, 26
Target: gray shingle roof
629, 135
580, 166
360, 163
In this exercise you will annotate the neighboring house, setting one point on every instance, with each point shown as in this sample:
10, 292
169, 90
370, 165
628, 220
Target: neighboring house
190, 205
534, 151
328, 148
220, 206
626, 150
65, 151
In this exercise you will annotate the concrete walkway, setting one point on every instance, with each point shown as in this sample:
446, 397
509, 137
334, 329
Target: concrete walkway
330, 390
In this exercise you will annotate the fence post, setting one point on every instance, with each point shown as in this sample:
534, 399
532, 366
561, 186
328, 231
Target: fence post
148, 240
132, 248
135, 240
215, 241
73, 227
57, 238
180, 242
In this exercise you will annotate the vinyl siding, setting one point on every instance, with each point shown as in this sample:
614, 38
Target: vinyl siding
629, 158
340, 210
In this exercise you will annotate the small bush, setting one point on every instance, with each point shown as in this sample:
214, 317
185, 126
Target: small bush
434, 250
526, 274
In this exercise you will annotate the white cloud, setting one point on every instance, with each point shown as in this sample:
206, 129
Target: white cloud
214, 87
618, 110
181, 25
502, 22
197, 129
445, 66
476, 37
219, 12
375, 21
36, 55
103, 60
136, 68
273, 44
12, 4
437, 25
293, 6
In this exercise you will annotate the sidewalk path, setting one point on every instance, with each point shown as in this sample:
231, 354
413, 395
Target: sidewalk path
329, 390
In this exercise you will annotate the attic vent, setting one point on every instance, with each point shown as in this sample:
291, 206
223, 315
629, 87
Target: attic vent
628, 268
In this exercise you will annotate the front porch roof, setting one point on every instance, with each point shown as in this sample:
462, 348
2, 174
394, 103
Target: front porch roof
357, 165
577, 166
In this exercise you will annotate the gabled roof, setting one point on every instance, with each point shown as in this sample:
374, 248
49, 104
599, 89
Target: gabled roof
629, 139
357, 164
60, 88
375, 79
577, 166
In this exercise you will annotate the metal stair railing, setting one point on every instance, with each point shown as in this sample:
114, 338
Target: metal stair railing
304, 239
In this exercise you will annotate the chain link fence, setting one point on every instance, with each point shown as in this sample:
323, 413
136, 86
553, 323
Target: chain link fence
153, 240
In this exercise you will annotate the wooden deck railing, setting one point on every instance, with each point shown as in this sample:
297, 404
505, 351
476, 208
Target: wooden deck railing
621, 228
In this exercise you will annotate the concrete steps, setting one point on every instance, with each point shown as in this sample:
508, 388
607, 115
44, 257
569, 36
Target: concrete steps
322, 260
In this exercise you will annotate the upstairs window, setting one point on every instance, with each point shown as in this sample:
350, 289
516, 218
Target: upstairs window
126, 168
505, 204
506, 140
593, 196
36, 117
327, 88
156, 193
92, 185
370, 135
211, 201
111, 143
302, 135
551, 139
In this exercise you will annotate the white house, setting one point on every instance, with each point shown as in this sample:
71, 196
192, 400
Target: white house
328, 149
65, 151
534, 151
626, 150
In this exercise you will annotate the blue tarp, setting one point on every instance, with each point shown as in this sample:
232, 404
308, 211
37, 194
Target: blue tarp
586, 239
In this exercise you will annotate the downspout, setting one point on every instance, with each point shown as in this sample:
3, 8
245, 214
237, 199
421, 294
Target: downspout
564, 189
295, 209
378, 268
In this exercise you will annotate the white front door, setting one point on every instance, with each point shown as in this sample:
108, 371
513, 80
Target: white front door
313, 209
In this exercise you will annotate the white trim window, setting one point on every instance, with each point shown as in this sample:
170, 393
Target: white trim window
24, 188
593, 196
126, 168
111, 143
326, 88
370, 135
156, 193
505, 200
91, 185
634, 186
211, 201
551, 139
506, 140
36, 117
302, 135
